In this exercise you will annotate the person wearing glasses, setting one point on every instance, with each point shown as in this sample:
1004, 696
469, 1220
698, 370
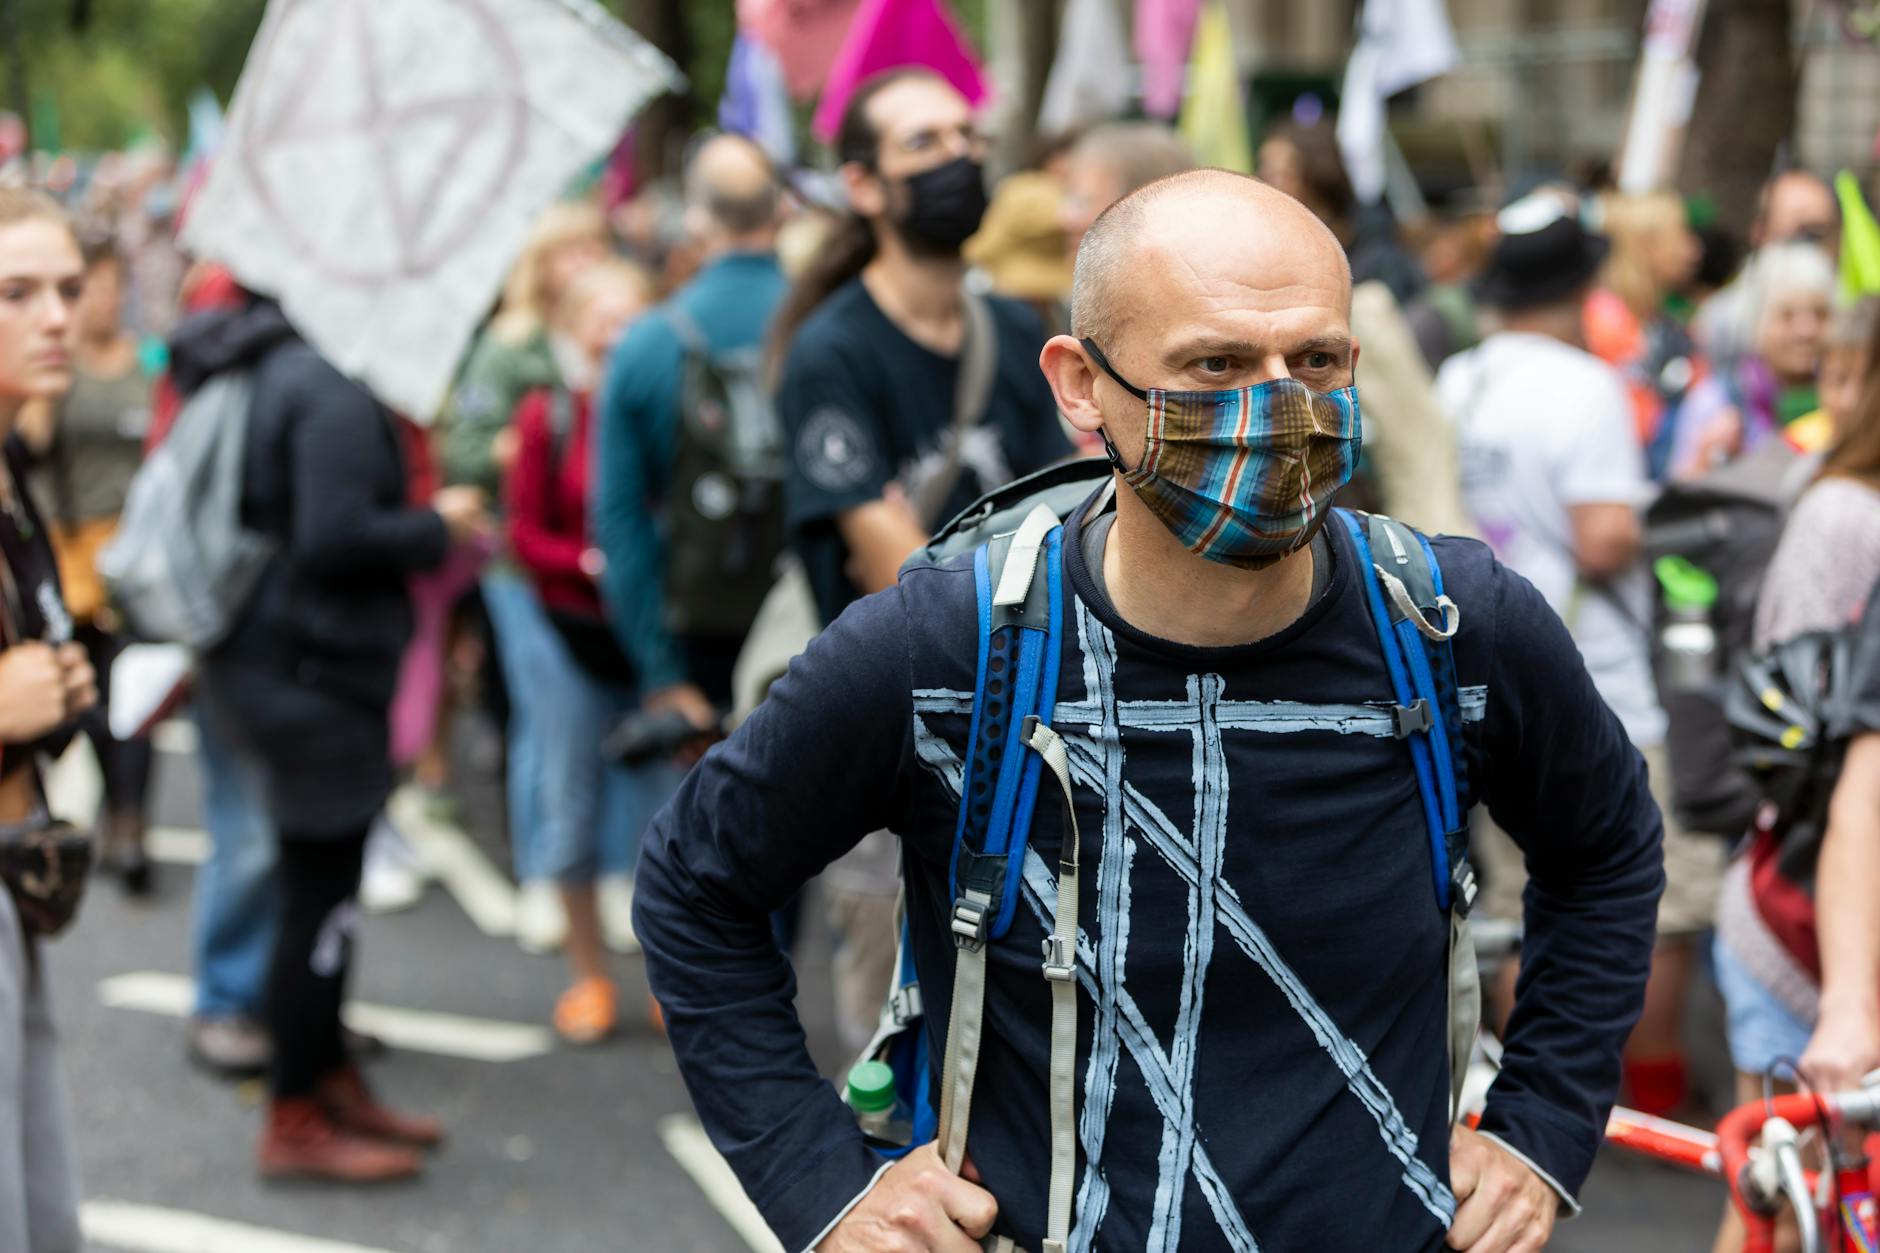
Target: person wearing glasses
872, 338
896, 415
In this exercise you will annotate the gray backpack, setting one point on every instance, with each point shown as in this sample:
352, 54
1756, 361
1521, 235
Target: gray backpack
182, 564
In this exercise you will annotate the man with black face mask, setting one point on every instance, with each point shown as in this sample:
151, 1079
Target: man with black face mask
876, 349
1249, 906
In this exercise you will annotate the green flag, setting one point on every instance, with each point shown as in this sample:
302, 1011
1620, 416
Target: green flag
1860, 240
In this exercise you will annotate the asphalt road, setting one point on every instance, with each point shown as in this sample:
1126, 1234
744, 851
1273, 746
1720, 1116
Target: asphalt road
552, 1150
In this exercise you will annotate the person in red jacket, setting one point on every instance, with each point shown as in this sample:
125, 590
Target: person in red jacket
547, 489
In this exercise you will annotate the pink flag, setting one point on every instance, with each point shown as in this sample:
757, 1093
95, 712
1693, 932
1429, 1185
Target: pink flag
1164, 31
803, 35
887, 34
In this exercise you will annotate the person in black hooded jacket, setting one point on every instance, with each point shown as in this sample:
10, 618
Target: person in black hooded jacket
305, 679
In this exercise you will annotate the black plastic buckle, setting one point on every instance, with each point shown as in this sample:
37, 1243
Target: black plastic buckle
1407, 720
1462, 888
969, 924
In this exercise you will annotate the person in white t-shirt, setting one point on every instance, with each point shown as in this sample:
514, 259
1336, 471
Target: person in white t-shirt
1554, 478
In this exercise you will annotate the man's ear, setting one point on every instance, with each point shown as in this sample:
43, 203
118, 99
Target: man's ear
1356, 349
1073, 379
868, 195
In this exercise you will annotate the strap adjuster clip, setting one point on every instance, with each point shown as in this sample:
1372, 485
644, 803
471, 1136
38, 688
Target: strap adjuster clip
1060, 959
969, 924
1462, 889
905, 1005
1408, 720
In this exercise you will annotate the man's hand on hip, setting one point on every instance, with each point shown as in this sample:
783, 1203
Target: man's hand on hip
1501, 1205
917, 1206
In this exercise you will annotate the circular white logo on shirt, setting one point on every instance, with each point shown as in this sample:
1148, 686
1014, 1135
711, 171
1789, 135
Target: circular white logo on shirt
834, 452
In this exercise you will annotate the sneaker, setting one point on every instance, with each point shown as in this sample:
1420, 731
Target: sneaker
615, 892
301, 1141
541, 924
233, 1046
394, 876
588, 1012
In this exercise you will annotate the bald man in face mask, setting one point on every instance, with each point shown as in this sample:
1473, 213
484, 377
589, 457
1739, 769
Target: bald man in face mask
1260, 970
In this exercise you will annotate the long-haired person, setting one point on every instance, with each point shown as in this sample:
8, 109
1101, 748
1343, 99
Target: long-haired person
1654, 254
516, 354
45, 683
304, 683
590, 808
1779, 1011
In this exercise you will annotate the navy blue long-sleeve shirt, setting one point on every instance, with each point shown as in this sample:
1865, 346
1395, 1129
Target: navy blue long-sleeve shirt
1261, 1057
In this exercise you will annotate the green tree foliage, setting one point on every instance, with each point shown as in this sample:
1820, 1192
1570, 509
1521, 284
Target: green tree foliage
118, 69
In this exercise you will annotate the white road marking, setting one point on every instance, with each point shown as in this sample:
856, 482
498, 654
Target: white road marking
423, 1031
153, 1229
485, 893
177, 846
176, 736
692, 1149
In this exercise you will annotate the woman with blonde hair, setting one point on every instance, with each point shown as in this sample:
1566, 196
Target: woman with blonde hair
1654, 253
519, 353
45, 683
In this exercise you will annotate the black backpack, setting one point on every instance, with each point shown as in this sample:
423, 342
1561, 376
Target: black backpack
724, 505
1726, 524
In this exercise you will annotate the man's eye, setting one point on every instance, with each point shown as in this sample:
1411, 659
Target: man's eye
1216, 365
1320, 361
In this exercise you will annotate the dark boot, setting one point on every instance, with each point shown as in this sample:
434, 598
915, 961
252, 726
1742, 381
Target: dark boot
301, 1142
352, 1107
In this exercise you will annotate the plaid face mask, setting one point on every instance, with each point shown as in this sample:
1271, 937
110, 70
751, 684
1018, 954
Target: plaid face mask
1242, 477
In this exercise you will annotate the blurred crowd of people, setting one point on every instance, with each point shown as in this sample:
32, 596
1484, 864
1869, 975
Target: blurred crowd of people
738, 402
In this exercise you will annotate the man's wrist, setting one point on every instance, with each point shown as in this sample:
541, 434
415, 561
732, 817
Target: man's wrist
1569, 1204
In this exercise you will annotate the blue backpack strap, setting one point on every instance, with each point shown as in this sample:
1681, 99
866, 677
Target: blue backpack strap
1415, 621
1017, 679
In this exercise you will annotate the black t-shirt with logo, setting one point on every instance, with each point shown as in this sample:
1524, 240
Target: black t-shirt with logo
865, 406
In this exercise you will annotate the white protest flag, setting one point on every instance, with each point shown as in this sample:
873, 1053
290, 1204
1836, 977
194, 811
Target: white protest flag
1093, 78
384, 162
1400, 43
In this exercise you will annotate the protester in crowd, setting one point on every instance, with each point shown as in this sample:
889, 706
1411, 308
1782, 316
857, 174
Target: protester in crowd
871, 340
1108, 162
1654, 254
304, 682
657, 382
513, 356
234, 906
1305, 162
1788, 290
45, 684
874, 342
548, 495
97, 438
1794, 207
1554, 477
1444, 315
1275, 613
1779, 1011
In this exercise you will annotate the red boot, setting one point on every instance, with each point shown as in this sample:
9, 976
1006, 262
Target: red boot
301, 1142
350, 1104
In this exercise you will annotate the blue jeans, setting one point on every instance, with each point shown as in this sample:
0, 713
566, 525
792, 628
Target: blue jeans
554, 708
522, 639
235, 911
593, 812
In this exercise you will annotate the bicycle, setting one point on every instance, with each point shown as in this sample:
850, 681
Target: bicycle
1834, 1208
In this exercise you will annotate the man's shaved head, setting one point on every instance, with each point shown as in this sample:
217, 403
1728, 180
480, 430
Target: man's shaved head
733, 180
1227, 230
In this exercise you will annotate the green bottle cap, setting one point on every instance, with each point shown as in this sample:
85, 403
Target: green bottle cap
871, 1087
1686, 586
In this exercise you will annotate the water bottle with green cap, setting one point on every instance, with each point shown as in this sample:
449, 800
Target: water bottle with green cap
883, 1116
1688, 639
